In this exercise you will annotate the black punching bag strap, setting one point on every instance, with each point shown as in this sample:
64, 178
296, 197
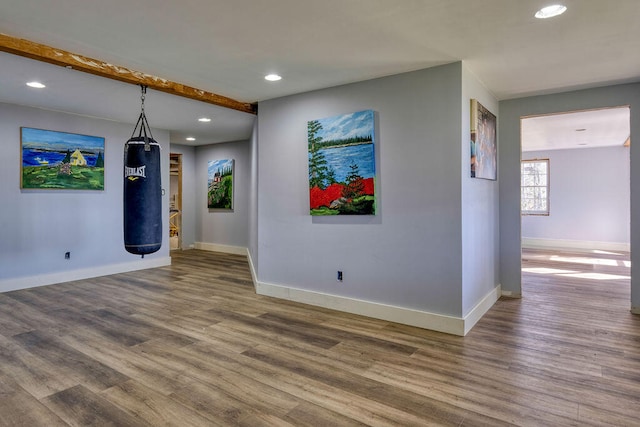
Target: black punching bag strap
143, 123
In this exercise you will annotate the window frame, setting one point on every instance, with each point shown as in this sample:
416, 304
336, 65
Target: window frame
546, 212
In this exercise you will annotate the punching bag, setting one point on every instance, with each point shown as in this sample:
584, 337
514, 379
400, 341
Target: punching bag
142, 191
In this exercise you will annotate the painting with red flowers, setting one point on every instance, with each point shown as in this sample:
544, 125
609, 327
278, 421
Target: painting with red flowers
342, 164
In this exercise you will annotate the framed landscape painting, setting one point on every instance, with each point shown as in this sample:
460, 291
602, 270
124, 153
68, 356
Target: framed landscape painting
220, 184
342, 168
61, 160
484, 150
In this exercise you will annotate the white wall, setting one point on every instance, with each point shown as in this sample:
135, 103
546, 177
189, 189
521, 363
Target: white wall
218, 229
38, 226
188, 194
588, 198
409, 254
480, 219
509, 170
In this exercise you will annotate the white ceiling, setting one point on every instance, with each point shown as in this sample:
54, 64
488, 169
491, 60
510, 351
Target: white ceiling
226, 47
81, 93
580, 129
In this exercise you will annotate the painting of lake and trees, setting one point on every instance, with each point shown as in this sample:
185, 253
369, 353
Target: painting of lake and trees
60, 160
342, 164
220, 184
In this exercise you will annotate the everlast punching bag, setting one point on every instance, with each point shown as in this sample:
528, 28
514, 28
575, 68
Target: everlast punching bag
142, 190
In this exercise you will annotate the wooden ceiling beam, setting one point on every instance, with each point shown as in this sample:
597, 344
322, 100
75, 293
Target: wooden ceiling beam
41, 52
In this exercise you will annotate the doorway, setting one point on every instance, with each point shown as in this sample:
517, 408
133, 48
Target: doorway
575, 196
175, 201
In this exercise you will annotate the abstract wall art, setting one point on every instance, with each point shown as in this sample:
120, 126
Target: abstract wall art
61, 160
341, 158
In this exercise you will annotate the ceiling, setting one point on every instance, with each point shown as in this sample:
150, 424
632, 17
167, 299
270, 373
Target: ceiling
580, 129
226, 47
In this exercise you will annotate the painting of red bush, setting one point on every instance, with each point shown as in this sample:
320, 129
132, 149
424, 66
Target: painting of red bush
342, 164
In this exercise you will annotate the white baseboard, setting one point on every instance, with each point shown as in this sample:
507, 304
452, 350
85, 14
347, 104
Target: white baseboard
578, 245
7, 285
254, 276
214, 247
422, 319
510, 294
481, 308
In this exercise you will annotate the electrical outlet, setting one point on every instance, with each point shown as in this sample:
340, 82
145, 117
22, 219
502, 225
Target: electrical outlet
339, 276
67, 255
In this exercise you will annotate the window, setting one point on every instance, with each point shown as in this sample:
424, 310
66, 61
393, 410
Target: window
534, 196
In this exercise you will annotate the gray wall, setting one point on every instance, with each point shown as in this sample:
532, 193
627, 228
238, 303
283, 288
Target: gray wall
188, 194
220, 227
409, 254
509, 169
39, 226
253, 197
588, 198
480, 219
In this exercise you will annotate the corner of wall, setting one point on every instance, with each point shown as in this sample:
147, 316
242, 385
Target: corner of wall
481, 308
421, 319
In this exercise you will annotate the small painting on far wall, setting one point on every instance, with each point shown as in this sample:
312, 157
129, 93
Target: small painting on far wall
220, 184
484, 149
342, 168
61, 161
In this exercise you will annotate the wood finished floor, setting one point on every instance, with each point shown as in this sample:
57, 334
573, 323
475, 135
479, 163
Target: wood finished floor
192, 345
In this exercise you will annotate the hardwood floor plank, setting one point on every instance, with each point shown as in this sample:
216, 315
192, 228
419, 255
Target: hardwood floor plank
77, 365
126, 361
81, 407
276, 329
155, 408
206, 370
425, 408
340, 335
310, 415
18, 408
230, 403
348, 404
192, 344
37, 376
28, 317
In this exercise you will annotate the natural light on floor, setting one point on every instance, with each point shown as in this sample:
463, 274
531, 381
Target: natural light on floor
597, 251
584, 260
576, 274
542, 270
595, 276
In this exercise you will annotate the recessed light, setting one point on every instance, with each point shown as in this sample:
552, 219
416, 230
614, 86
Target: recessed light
550, 11
204, 119
272, 77
37, 85
190, 138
